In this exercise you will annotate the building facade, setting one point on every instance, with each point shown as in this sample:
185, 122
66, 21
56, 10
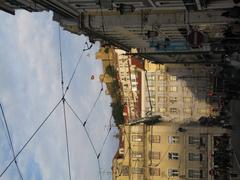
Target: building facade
127, 75
178, 92
164, 151
129, 70
155, 28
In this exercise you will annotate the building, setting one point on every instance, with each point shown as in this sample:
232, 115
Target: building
109, 57
171, 151
127, 74
156, 28
129, 70
178, 92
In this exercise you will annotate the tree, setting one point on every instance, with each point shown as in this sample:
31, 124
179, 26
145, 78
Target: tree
117, 112
110, 70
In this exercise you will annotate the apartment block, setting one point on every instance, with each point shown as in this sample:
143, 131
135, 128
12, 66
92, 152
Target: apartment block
127, 75
168, 151
178, 92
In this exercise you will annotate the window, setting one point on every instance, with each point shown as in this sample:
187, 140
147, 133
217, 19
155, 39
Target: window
187, 99
187, 110
162, 88
162, 110
137, 170
154, 155
194, 140
162, 99
173, 156
172, 99
173, 139
148, 109
152, 93
187, 89
137, 129
150, 99
125, 171
154, 139
173, 110
137, 176
161, 77
173, 172
136, 154
172, 89
137, 138
172, 78
154, 171
151, 88
125, 85
195, 157
202, 111
150, 77
195, 173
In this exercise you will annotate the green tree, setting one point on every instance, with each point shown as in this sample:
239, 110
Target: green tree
110, 70
117, 112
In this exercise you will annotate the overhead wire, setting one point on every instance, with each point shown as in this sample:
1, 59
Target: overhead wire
11, 143
105, 139
99, 169
63, 100
88, 135
128, 149
89, 139
95, 102
61, 59
93, 106
74, 71
149, 95
67, 143
63, 103
29, 140
76, 66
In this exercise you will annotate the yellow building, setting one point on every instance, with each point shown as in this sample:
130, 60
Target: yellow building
177, 92
127, 75
166, 151
108, 56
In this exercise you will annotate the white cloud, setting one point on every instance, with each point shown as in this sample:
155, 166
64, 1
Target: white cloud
31, 87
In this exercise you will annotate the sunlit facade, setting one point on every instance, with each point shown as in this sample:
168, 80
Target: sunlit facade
177, 92
167, 151
128, 76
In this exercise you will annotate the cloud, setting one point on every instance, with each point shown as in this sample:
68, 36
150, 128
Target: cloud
30, 87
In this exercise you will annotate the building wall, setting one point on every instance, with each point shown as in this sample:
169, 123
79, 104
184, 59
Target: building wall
102, 21
138, 162
127, 76
129, 79
109, 58
178, 93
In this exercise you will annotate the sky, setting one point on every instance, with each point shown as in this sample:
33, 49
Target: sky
30, 86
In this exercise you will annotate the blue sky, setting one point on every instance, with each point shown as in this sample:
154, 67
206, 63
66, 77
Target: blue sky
30, 88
